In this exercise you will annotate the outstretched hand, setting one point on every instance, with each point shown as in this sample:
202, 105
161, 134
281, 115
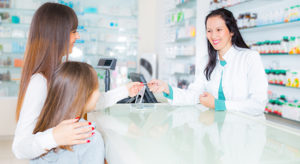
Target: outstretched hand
134, 88
158, 86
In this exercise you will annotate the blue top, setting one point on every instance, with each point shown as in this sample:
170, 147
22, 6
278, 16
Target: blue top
220, 102
170, 95
92, 153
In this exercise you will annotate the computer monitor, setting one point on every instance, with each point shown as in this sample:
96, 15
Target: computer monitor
148, 96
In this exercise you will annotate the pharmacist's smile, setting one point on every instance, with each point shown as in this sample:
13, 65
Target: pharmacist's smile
215, 42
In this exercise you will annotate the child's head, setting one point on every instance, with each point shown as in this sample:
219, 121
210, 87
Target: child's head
72, 92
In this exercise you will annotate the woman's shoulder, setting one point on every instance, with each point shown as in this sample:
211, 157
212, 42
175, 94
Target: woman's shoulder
248, 55
246, 51
37, 82
38, 77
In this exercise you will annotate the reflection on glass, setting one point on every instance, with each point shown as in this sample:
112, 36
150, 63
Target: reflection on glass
167, 134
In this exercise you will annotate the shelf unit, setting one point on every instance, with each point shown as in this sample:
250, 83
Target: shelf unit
279, 85
277, 54
272, 26
178, 42
106, 29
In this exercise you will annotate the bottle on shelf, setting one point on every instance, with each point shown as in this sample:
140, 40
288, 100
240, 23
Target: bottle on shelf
280, 77
285, 46
293, 45
284, 106
5, 76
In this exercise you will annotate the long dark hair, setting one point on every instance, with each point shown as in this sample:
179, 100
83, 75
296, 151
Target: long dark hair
47, 43
236, 39
71, 88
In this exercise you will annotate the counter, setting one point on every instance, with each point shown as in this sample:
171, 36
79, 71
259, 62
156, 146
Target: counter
165, 134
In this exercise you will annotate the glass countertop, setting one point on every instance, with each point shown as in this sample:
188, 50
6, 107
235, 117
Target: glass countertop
165, 134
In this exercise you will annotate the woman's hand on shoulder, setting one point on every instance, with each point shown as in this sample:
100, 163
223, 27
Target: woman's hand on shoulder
158, 86
72, 132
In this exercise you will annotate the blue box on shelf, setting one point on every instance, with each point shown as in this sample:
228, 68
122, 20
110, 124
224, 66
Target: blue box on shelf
15, 19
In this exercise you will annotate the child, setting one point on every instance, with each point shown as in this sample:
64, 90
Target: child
73, 92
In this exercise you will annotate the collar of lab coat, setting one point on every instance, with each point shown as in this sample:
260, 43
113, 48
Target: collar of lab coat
227, 56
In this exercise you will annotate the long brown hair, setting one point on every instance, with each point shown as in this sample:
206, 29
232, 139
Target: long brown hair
69, 91
47, 43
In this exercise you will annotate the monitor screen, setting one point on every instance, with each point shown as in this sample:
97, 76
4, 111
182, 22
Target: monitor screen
105, 62
148, 96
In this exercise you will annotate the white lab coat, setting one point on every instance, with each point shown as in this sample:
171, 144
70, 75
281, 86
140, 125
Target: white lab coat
244, 82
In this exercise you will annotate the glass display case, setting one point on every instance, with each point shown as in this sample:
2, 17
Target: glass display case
106, 28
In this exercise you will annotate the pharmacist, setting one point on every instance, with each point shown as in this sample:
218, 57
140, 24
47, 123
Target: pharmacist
231, 76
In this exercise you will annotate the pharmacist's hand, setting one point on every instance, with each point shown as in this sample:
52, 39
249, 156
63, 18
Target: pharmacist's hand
134, 88
158, 86
207, 100
72, 132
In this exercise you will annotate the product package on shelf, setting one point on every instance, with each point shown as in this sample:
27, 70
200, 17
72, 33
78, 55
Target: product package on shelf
215, 4
293, 78
269, 16
289, 78
288, 45
285, 107
180, 50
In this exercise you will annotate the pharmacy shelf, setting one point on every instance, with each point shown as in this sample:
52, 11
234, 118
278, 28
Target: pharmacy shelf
187, 4
17, 10
109, 30
118, 57
191, 20
237, 4
283, 121
183, 57
182, 74
182, 40
118, 43
125, 44
10, 68
14, 39
278, 54
9, 82
295, 23
283, 86
105, 15
7, 54
15, 25
251, 4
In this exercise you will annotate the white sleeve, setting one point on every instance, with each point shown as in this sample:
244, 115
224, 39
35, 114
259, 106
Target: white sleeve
111, 97
257, 88
27, 145
189, 96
